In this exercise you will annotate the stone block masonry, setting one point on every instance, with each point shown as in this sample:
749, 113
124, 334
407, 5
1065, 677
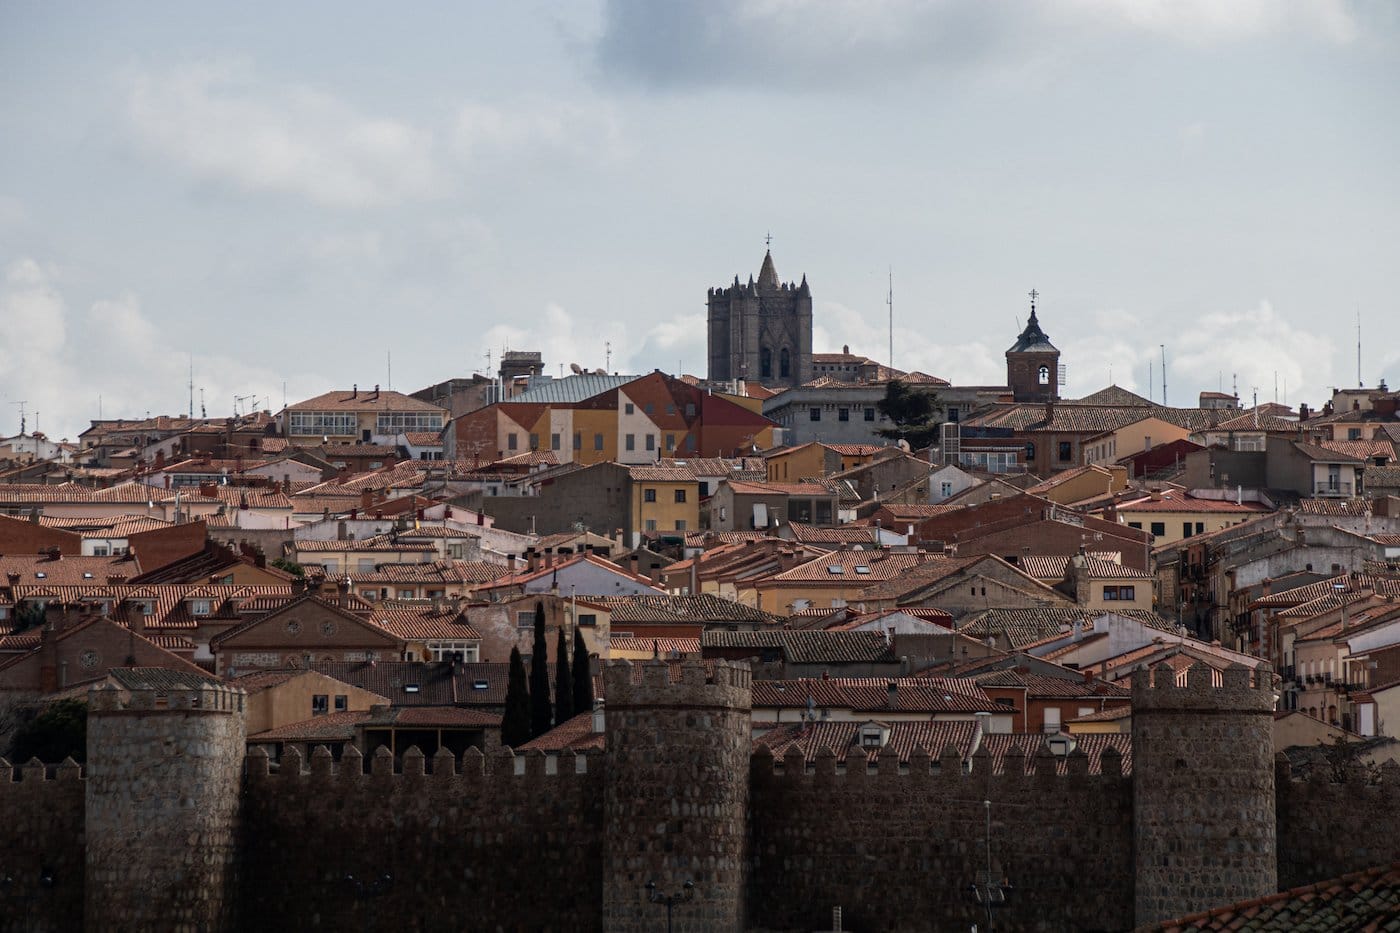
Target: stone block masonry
41, 847
162, 800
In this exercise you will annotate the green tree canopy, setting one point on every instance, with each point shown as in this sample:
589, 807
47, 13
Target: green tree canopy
515, 724
582, 675
59, 732
541, 712
914, 412
563, 681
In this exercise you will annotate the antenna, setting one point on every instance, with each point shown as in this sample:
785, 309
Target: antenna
191, 416
1276, 387
1151, 379
204, 414
22, 418
1164, 374
389, 369
1359, 383
889, 300
607, 355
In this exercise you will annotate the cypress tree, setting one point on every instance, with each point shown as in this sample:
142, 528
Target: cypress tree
563, 681
583, 675
540, 707
515, 724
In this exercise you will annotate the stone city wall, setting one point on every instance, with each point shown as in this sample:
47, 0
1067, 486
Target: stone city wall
41, 848
1328, 828
505, 843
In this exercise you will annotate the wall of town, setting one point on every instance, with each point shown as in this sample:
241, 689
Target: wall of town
1328, 827
501, 843
886, 844
41, 848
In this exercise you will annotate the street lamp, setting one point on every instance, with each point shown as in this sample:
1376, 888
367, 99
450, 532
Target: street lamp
985, 891
687, 892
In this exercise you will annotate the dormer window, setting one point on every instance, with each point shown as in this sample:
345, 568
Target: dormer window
201, 607
870, 738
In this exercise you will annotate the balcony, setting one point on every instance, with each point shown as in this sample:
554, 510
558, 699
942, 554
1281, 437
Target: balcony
1332, 488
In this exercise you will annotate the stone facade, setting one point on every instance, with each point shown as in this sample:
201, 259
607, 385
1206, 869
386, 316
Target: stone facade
1203, 801
162, 803
177, 832
761, 331
677, 799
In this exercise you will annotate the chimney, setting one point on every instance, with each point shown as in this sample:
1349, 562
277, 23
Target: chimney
342, 587
531, 561
548, 557
1049, 411
167, 481
1303, 412
510, 563
355, 390
366, 499
376, 391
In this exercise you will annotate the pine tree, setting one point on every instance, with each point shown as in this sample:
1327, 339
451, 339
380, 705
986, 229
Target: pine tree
540, 711
563, 681
515, 724
583, 675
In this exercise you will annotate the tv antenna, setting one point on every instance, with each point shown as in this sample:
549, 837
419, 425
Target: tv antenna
889, 300
607, 352
22, 421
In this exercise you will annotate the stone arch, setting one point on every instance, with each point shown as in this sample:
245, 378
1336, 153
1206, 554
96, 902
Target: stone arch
784, 363
1043, 375
765, 363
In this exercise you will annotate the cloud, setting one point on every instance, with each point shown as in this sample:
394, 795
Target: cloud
968, 363
220, 122
561, 340
808, 44
590, 131
113, 349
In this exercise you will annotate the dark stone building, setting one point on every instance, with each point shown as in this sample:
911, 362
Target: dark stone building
761, 331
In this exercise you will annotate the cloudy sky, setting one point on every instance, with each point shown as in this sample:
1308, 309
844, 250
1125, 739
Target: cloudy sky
289, 194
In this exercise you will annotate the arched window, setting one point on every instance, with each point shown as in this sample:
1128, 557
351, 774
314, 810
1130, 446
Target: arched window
1044, 375
784, 364
765, 363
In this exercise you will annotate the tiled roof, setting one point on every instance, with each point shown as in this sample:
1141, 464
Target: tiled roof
332, 727
575, 733
806, 647
1261, 422
259, 681
439, 683
1339, 507
873, 694
438, 571
68, 570
425, 622
363, 400
841, 534
1172, 500
159, 678
1386, 476
999, 746
1054, 566
858, 568
856, 450
661, 646
778, 489
656, 474
423, 438
1027, 626
376, 543
1365, 450
843, 738
111, 526
1116, 396
917, 512
1362, 900
1112, 714
700, 608
1045, 685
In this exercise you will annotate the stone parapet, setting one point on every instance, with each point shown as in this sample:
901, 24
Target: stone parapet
692, 683
1235, 689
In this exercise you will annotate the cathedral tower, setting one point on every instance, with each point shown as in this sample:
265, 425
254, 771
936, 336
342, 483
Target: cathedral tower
761, 331
1033, 364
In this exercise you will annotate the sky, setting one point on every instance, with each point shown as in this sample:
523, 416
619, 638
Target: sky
291, 198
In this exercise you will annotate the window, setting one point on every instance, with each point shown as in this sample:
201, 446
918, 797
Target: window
1353, 434
200, 607
511, 442
814, 414
597, 442
1110, 593
1137, 525
670, 442
1200, 527
648, 495
680, 495
946, 489
342, 702
631, 442
690, 409
578, 440
1066, 450
1030, 452
870, 739
651, 442
1186, 529
1128, 593
680, 524
320, 704
525, 619
954, 415
651, 524
1159, 528
534, 441
784, 364
394, 422
554, 441
450, 650
1052, 719
1043, 375
588, 618
405, 594
843, 414
629, 408
870, 414
765, 363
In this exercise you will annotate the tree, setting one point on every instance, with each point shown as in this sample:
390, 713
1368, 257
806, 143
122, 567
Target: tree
57, 733
583, 675
290, 566
540, 711
563, 681
515, 724
28, 616
913, 411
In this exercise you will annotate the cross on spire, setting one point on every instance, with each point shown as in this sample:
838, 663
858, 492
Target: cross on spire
1034, 295
768, 239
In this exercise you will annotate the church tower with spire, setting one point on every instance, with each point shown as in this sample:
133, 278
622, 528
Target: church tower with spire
1033, 364
761, 331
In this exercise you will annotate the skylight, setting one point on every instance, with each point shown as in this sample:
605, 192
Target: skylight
410, 688
861, 568
480, 685
835, 568
39, 574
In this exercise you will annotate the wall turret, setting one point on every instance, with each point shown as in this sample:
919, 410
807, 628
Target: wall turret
1204, 830
677, 792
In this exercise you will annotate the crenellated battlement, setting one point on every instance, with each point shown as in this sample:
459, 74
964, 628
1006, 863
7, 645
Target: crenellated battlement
948, 768
35, 771
476, 769
209, 698
692, 683
1237, 689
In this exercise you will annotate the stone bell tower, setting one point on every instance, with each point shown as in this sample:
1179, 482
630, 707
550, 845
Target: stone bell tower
761, 331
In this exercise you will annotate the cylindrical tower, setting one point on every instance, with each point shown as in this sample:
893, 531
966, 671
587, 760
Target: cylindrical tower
1203, 789
164, 771
676, 794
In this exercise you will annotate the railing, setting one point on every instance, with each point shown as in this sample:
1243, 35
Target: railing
1332, 488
